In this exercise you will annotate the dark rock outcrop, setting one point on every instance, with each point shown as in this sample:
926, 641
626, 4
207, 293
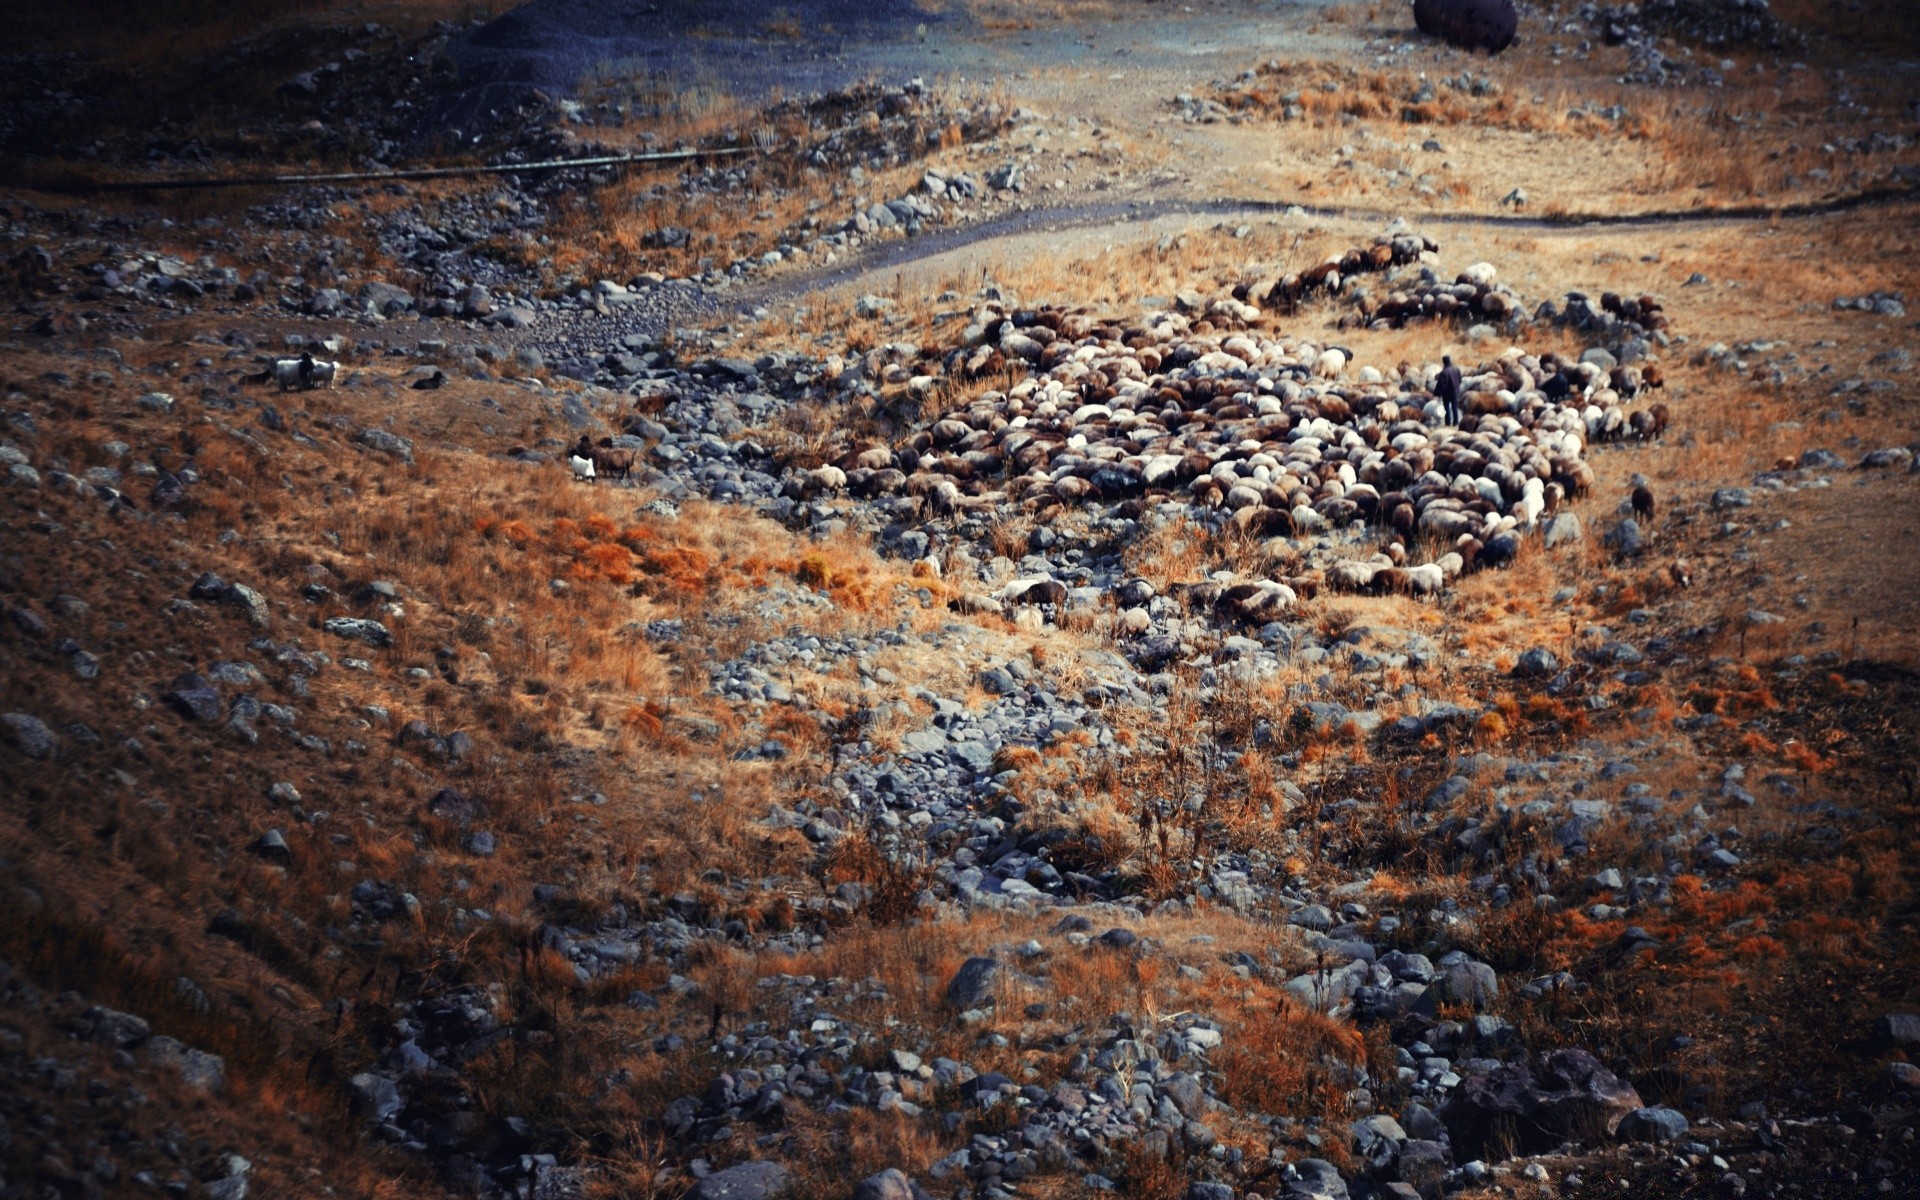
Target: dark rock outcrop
1472, 24
1520, 1109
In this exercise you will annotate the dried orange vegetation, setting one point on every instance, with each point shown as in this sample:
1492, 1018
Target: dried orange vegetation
559, 695
1692, 901
1279, 1056
675, 563
1325, 92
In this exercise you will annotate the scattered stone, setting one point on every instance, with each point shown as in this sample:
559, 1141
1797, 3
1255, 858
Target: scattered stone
1537, 663
29, 734
359, 629
1652, 1125
194, 698
761, 1180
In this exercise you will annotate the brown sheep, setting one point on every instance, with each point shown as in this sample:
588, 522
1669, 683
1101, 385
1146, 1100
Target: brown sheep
1643, 503
1649, 423
608, 461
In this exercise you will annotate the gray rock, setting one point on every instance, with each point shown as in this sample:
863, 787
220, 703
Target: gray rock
1423, 1163
194, 698
454, 808
196, 1068
1898, 1029
235, 674
385, 298
1726, 498
233, 1187
1377, 1139
272, 846
745, 1181
111, 1027
1652, 1125
1626, 539
374, 1097
359, 629
248, 601
1537, 663
973, 984
386, 443
1316, 1179
1522, 1108
1413, 968
1209, 1189
1468, 983
29, 733
476, 301
890, 1184
1313, 916
1561, 528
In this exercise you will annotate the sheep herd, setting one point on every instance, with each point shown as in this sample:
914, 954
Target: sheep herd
1273, 436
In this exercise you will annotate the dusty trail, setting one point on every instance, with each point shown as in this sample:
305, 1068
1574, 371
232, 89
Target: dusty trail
955, 250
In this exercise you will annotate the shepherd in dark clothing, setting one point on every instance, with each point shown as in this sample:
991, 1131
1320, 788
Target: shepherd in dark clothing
1447, 387
306, 369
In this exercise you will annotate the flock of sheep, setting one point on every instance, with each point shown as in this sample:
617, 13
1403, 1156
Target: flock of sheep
1272, 436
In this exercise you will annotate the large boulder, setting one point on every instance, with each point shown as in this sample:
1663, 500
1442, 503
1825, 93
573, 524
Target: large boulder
1461, 983
1567, 1096
974, 983
1316, 1179
890, 1184
1473, 24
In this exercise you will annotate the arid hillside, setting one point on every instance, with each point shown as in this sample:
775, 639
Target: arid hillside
1208, 602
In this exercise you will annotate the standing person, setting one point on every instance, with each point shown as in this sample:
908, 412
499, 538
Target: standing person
306, 369
1447, 387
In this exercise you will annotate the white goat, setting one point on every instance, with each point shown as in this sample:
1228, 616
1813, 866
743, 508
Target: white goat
582, 468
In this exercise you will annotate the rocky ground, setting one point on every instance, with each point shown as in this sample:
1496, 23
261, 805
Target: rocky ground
1041, 695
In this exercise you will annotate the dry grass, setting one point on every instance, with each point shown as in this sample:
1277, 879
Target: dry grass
1770, 136
530, 672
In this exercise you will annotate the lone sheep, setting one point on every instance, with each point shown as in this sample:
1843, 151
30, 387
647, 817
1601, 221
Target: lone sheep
1643, 503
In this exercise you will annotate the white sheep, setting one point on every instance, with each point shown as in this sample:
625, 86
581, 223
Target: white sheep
302, 373
1427, 579
582, 468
